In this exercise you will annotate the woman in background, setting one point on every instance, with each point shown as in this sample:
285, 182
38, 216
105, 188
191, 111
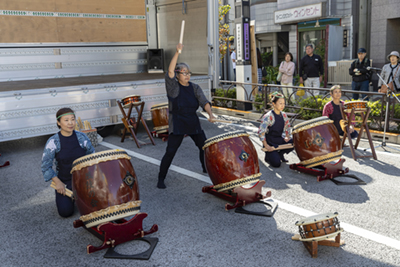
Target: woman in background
287, 69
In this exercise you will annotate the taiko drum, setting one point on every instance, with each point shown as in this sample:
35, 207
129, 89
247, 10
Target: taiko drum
358, 106
159, 115
231, 160
105, 187
316, 142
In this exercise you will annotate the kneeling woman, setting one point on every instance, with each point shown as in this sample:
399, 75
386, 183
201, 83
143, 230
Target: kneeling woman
64, 147
274, 131
334, 110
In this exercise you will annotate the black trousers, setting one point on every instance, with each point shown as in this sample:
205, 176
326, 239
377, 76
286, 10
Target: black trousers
174, 142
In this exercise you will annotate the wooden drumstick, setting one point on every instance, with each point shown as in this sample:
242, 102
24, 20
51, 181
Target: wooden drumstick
181, 37
217, 120
68, 192
281, 147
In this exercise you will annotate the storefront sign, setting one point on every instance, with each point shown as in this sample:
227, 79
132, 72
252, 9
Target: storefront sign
345, 36
298, 13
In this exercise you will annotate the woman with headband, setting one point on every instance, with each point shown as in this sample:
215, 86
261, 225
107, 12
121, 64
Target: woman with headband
274, 131
184, 98
64, 147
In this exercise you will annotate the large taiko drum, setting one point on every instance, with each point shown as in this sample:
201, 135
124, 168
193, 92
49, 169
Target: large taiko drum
159, 115
231, 160
319, 227
131, 99
105, 187
317, 142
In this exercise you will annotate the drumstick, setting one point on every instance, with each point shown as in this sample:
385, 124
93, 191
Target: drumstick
181, 37
217, 120
68, 192
285, 146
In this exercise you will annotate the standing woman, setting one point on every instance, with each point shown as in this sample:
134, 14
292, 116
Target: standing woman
274, 131
184, 98
333, 110
287, 69
64, 147
390, 73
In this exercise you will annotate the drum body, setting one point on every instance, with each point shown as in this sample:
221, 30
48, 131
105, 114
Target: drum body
319, 227
131, 99
316, 142
159, 115
231, 160
105, 187
359, 106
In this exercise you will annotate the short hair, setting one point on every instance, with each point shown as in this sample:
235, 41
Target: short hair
290, 54
310, 45
333, 88
180, 66
62, 111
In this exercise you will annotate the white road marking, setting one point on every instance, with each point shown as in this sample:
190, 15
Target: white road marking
288, 207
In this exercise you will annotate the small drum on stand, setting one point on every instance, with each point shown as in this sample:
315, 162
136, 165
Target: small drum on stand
131, 99
359, 106
105, 187
231, 160
319, 230
159, 115
317, 142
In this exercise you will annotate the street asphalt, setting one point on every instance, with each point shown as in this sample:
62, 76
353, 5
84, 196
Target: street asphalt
194, 228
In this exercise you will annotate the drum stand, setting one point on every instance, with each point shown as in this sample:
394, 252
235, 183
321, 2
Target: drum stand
5, 164
115, 233
312, 246
364, 125
130, 124
323, 172
243, 196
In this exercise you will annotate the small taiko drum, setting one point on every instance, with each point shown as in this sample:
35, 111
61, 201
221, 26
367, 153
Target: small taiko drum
131, 99
359, 106
316, 142
319, 227
231, 160
159, 115
105, 187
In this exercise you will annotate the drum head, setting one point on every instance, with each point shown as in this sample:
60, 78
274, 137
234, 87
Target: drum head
162, 105
224, 136
95, 158
316, 218
322, 237
311, 123
131, 96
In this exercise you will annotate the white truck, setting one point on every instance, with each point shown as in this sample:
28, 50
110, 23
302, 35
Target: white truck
87, 54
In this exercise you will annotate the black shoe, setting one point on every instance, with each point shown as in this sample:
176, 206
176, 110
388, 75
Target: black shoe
161, 184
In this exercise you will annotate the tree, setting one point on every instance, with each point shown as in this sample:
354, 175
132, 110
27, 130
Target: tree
224, 38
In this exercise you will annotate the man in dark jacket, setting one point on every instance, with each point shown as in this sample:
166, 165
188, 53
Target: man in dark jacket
361, 75
311, 69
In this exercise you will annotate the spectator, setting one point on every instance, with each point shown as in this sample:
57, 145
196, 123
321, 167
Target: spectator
361, 75
311, 69
259, 69
287, 69
233, 57
390, 72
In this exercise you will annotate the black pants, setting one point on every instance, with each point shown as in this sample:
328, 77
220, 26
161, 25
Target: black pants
65, 205
174, 142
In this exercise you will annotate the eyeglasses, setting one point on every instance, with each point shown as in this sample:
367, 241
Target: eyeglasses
186, 73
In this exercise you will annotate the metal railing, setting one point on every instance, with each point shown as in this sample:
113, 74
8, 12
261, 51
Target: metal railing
293, 101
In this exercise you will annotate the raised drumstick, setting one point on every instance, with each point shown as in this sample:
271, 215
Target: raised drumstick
181, 37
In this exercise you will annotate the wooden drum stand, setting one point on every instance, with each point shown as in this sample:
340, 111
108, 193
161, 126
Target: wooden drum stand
121, 231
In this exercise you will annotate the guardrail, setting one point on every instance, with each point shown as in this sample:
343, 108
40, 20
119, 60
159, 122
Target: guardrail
293, 100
